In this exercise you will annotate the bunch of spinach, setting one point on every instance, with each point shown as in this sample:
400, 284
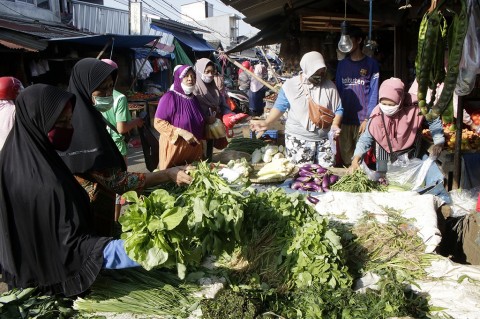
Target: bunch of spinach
161, 230
214, 210
152, 230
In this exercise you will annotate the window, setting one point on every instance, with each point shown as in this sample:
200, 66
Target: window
44, 4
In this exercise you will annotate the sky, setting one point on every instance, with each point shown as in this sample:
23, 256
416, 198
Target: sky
165, 6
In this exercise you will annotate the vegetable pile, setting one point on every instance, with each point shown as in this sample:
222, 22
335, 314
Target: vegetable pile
279, 257
315, 178
358, 182
268, 153
247, 145
429, 62
160, 230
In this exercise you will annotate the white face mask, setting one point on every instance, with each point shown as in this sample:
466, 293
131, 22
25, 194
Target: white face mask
207, 78
103, 103
187, 88
389, 110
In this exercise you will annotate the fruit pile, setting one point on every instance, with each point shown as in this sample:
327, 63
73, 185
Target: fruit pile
470, 139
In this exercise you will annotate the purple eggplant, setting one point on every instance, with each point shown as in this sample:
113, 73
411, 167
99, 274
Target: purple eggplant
297, 185
318, 179
316, 166
321, 170
333, 179
325, 181
304, 179
306, 167
305, 173
312, 199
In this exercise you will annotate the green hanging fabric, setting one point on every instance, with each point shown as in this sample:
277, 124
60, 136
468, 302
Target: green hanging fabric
180, 56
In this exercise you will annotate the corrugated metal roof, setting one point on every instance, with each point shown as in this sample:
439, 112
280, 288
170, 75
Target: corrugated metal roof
39, 29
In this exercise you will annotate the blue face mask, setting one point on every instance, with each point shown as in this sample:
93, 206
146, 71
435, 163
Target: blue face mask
103, 103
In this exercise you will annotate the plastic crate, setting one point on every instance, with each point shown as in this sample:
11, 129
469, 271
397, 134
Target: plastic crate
273, 134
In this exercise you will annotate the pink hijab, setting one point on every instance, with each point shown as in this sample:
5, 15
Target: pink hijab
402, 127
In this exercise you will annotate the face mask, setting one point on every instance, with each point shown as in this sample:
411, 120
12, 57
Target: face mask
207, 78
103, 103
389, 110
315, 79
60, 137
187, 88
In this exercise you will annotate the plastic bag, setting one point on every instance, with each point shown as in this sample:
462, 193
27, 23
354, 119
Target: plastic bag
464, 201
333, 144
405, 171
470, 61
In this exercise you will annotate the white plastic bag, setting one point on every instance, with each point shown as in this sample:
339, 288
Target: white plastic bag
470, 62
405, 171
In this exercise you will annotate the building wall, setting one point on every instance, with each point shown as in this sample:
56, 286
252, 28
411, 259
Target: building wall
225, 29
196, 11
32, 9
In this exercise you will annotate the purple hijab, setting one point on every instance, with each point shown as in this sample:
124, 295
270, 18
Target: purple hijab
181, 110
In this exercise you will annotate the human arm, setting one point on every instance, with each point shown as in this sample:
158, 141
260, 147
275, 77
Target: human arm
115, 256
364, 143
125, 127
436, 129
123, 120
119, 181
281, 106
173, 133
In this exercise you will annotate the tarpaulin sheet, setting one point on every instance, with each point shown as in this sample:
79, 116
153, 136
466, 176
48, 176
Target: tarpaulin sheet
189, 39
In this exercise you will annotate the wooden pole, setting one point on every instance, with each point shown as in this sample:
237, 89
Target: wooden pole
270, 66
105, 48
144, 61
268, 85
457, 155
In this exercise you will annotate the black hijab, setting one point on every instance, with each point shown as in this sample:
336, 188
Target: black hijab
44, 212
92, 148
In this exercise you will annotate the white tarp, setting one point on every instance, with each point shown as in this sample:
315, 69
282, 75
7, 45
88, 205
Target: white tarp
422, 208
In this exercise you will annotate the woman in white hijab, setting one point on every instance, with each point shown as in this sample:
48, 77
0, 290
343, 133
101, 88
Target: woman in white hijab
306, 142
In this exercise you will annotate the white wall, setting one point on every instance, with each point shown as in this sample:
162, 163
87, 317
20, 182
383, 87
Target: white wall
24, 10
196, 11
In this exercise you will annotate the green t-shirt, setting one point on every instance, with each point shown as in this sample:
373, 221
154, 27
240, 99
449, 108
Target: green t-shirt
118, 113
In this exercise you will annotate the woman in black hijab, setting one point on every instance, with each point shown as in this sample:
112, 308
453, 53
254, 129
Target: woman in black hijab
45, 239
92, 156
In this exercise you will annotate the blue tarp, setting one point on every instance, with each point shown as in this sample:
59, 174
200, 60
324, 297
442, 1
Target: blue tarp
189, 39
120, 41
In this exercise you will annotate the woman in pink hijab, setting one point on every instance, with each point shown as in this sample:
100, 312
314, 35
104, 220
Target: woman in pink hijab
395, 126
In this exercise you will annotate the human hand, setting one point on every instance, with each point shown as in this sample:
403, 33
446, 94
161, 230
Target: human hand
187, 136
355, 165
435, 150
179, 175
138, 122
336, 131
259, 126
211, 119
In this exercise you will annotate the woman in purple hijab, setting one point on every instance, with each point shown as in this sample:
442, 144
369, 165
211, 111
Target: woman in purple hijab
180, 122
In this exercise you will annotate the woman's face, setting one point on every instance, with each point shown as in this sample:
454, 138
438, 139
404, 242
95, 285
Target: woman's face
104, 89
209, 70
64, 120
189, 78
